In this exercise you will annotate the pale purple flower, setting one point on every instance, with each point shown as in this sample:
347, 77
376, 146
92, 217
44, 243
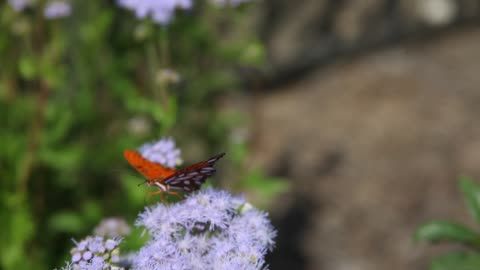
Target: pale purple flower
115, 258
57, 9
68, 266
163, 152
110, 244
96, 244
239, 256
161, 11
167, 76
139, 126
20, 5
112, 227
87, 256
82, 245
94, 253
210, 229
76, 257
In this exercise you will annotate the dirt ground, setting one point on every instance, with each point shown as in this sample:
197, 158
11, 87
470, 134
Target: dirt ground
373, 147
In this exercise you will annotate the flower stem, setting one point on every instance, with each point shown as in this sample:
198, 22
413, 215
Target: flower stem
158, 88
165, 60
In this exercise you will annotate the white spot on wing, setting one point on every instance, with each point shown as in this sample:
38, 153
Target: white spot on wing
212, 160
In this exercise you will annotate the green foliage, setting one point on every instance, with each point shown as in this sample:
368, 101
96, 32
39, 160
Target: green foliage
471, 193
446, 231
438, 231
264, 188
75, 92
456, 261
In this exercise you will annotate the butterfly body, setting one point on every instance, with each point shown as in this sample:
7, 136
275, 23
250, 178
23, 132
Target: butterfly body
168, 180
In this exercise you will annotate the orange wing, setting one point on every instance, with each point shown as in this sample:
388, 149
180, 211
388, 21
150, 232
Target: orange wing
149, 169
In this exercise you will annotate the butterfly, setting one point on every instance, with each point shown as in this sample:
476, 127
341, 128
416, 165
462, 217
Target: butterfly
169, 180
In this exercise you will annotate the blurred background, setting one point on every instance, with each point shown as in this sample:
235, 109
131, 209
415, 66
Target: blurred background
348, 121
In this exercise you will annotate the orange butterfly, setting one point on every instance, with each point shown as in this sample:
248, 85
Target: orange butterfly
168, 180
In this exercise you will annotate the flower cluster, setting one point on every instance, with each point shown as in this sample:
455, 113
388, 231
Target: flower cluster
57, 9
94, 253
19, 5
163, 152
53, 9
208, 230
161, 12
112, 227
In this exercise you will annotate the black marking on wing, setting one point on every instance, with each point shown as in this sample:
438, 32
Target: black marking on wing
192, 177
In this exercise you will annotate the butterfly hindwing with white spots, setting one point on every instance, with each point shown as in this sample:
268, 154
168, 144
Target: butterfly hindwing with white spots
192, 177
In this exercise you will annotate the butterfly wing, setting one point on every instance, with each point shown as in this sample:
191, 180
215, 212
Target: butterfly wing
151, 170
192, 177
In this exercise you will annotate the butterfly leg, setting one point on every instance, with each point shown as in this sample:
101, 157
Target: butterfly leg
145, 197
175, 193
162, 198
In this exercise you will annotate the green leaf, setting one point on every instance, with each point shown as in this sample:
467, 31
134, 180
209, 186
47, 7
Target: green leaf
136, 195
456, 261
135, 240
67, 221
18, 229
91, 211
471, 194
238, 152
66, 158
266, 188
27, 68
437, 231
253, 54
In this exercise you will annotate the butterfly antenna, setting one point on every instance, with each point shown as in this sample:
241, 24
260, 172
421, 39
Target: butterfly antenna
142, 183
